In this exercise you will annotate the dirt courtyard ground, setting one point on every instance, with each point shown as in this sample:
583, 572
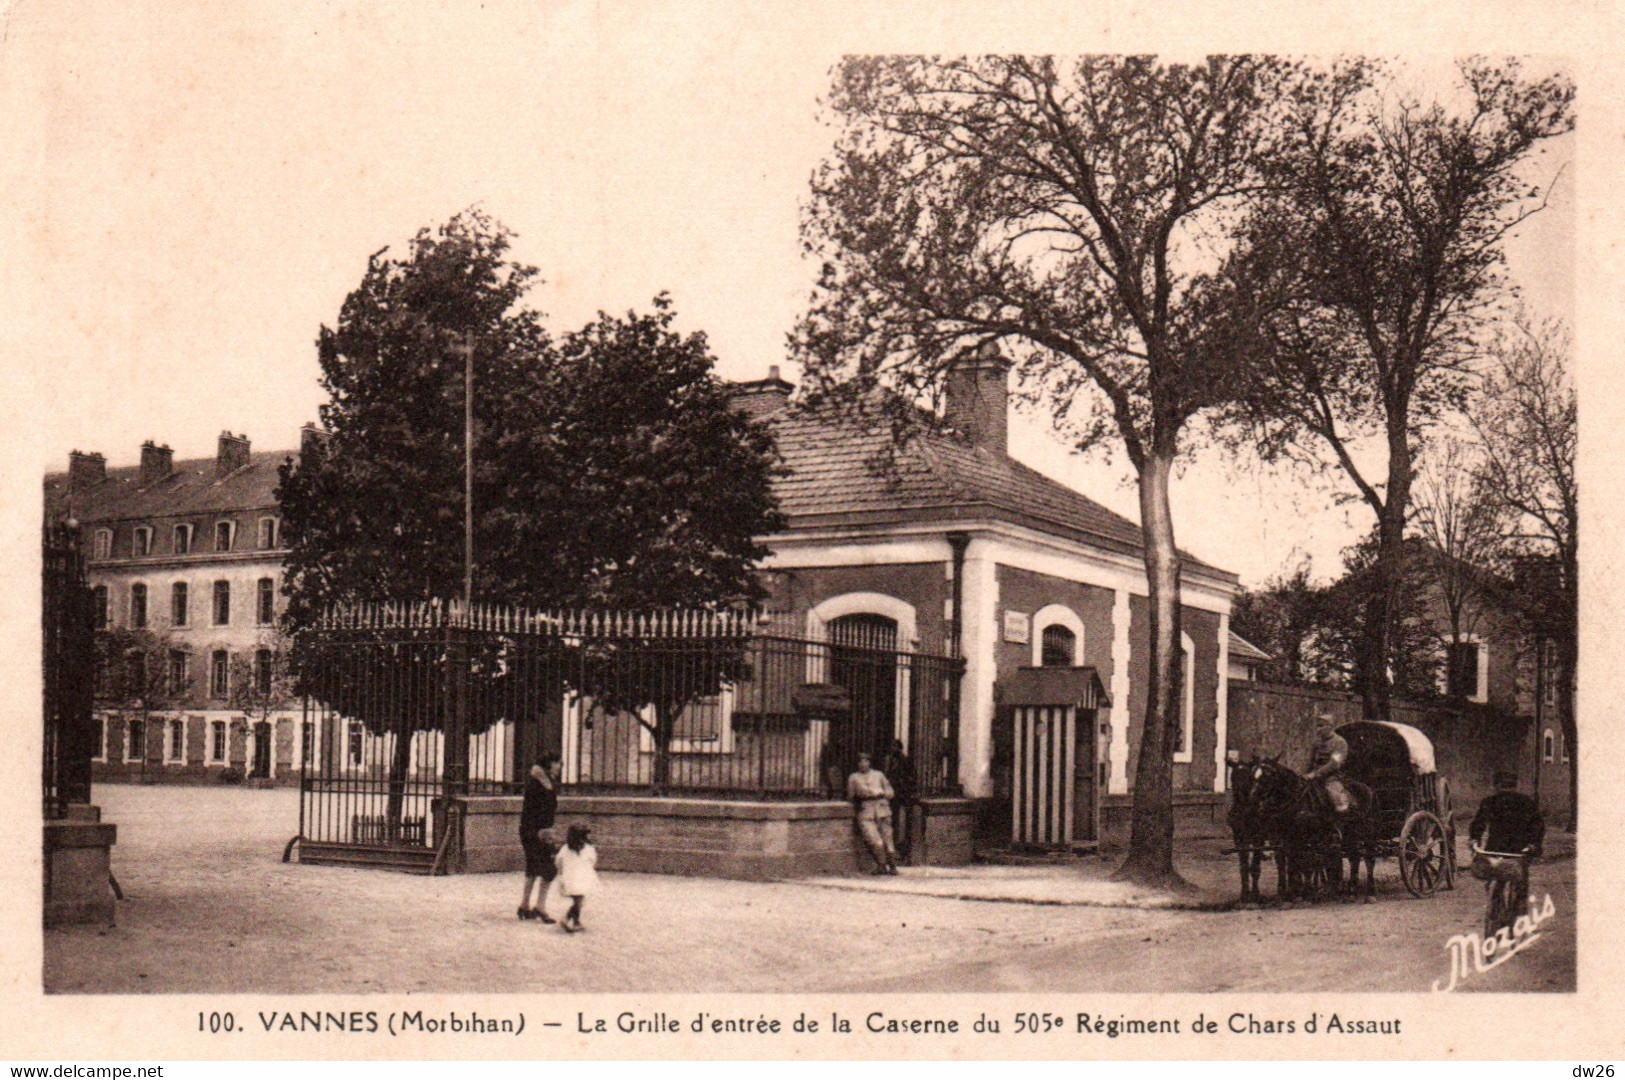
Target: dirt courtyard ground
210, 908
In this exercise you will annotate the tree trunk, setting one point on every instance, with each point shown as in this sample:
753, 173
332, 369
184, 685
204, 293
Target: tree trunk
1374, 651
1150, 858
1568, 657
399, 762
664, 716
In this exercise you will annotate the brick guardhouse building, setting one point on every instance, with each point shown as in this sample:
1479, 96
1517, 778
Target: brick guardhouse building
955, 549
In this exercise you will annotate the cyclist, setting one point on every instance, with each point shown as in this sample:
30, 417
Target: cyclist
1509, 822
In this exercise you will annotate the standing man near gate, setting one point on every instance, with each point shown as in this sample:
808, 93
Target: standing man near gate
871, 795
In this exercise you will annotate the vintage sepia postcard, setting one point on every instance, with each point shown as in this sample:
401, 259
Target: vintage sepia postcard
1032, 531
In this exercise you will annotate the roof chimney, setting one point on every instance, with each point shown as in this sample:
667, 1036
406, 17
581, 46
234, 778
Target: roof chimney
157, 462
977, 397
233, 453
310, 437
758, 399
85, 471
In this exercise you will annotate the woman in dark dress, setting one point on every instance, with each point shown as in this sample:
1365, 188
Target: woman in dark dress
536, 832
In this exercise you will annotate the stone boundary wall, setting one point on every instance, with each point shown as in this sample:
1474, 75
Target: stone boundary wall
753, 841
1470, 742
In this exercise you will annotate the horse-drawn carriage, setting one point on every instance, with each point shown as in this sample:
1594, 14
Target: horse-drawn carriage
1400, 809
1411, 801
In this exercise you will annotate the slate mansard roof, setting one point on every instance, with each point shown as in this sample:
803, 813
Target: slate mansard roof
194, 487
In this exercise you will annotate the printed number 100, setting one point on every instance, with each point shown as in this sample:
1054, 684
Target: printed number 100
216, 1022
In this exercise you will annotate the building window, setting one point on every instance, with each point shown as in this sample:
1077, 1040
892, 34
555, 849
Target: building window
356, 732
101, 738
1187, 698
1058, 647
223, 535
103, 548
183, 539
220, 674
1549, 675
178, 603
98, 601
217, 742
175, 745
267, 533
178, 673
135, 667
141, 541
135, 741
222, 603
1467, 672
265, 608
263, 670
1548, 746
138, 606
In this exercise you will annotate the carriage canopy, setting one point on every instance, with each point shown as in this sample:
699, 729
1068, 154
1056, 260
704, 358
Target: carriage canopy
1384, 745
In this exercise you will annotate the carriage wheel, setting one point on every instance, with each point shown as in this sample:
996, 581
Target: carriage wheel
1423, 861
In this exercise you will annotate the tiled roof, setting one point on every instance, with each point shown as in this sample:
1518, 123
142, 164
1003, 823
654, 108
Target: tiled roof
838, 474
193, 488
1242, 649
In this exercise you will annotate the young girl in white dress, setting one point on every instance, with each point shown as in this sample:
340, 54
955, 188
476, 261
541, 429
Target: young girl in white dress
577, 861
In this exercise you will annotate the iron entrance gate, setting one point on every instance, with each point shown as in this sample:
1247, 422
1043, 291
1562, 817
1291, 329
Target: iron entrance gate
411, 707
1053, 755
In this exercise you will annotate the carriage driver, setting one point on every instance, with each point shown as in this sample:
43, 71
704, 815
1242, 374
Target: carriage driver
1326, 760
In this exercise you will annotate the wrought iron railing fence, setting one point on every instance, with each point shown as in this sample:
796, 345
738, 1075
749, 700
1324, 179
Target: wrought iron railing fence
408, 705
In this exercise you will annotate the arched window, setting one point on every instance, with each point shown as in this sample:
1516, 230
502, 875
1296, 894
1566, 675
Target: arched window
104, 544
223, 532
1057, 637
178, 603
183, 539
267, 533
1057, 646
1548, 745
99, 606
138, 606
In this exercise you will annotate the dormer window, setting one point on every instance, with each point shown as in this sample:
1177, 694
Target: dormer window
141, 542
183, 539
104, 544
268, 532
223, 535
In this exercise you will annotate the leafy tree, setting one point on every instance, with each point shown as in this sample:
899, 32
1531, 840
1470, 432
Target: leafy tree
608, 470
1286, 618
1373, 273
1526, 420
1067, 211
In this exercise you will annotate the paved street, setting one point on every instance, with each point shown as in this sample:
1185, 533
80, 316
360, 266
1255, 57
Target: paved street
210, 908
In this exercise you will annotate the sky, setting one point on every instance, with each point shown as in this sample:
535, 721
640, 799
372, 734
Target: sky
195, 190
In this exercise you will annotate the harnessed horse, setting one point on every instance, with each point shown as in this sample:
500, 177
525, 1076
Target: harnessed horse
1311, 836
1252, 833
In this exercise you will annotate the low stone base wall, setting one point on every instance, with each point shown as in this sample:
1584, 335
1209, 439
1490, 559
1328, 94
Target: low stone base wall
752, 841
78, 882
1195, 813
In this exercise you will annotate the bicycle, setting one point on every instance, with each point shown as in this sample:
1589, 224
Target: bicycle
1505, 875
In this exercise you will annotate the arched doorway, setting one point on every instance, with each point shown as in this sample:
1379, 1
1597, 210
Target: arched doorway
863, 659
